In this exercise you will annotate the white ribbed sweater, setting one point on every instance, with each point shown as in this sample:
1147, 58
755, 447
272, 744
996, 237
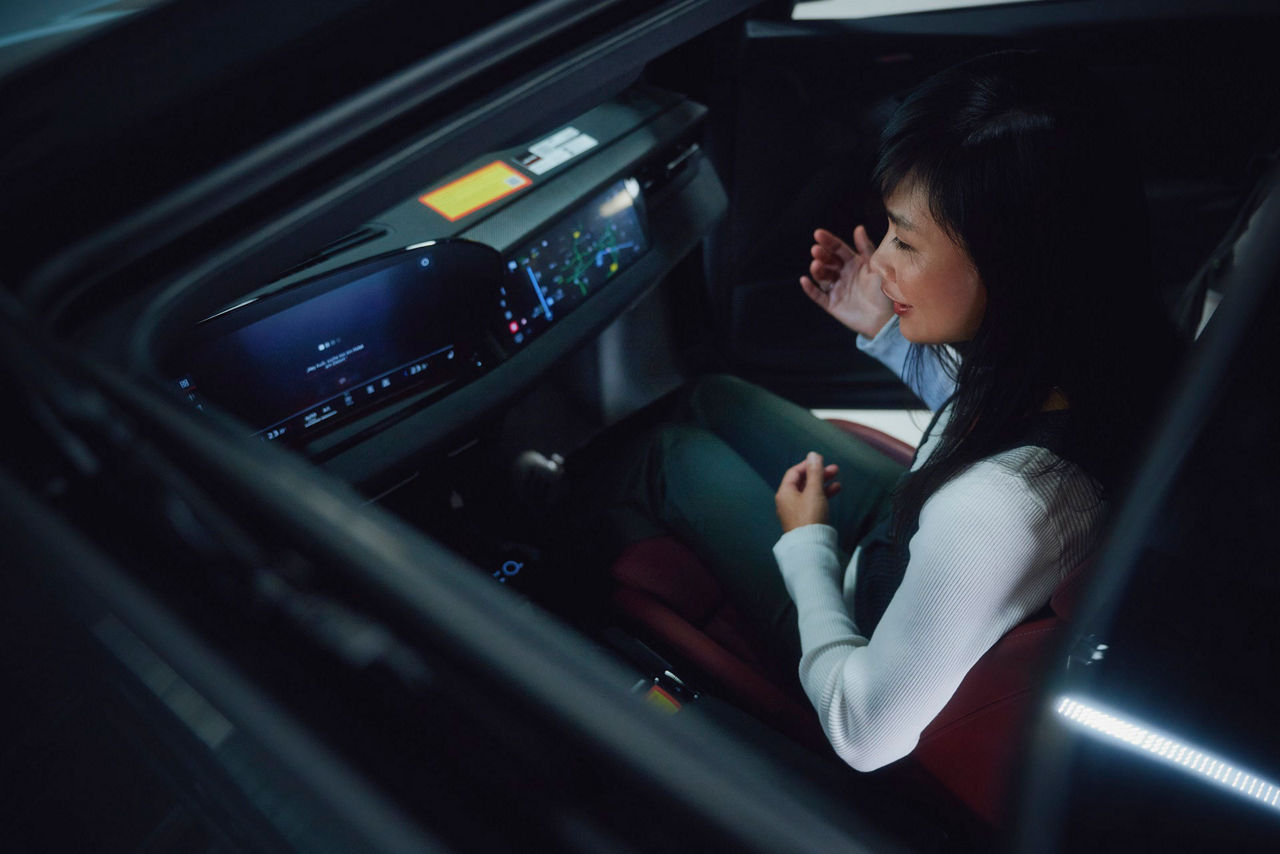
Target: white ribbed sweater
992, 545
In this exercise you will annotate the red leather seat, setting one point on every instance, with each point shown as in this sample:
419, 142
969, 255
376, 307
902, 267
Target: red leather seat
666, 592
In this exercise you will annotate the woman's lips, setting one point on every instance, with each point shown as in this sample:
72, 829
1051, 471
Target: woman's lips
899, 308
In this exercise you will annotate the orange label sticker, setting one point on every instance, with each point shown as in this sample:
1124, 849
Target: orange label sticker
472, 192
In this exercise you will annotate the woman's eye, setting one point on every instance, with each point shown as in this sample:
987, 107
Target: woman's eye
900, 245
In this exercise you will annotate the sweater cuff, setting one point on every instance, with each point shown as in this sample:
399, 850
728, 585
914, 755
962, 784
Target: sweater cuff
805, 549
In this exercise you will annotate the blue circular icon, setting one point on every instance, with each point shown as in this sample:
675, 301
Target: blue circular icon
426, 262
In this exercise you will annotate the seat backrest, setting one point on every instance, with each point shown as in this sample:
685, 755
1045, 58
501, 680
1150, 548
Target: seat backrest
971, 746
891, 446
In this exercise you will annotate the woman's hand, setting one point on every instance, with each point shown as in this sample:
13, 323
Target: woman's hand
802, 497
843, 283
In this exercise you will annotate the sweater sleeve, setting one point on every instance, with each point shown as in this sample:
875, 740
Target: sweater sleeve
984, 559
931, 383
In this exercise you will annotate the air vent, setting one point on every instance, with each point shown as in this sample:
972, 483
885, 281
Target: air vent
337, 247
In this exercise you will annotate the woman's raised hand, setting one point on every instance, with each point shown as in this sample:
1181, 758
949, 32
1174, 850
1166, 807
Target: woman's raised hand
842, 282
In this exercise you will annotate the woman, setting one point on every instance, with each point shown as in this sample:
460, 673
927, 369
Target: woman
1012, 293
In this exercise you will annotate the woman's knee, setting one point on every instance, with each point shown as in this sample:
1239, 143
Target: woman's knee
716, 398
715, 386
681, 444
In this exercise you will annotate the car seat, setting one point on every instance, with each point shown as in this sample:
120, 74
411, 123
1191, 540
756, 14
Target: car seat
668, 595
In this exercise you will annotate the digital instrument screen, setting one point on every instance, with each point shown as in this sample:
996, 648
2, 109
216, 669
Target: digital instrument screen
296, 363
551, 274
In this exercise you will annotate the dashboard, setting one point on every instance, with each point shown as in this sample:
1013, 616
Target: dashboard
391, 344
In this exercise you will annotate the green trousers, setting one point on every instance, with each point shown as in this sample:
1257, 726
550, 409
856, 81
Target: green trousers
706, 468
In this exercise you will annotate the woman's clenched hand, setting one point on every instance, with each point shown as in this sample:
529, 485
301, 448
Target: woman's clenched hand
801, 499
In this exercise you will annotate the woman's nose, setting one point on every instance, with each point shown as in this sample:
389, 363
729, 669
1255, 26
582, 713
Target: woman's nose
878, 265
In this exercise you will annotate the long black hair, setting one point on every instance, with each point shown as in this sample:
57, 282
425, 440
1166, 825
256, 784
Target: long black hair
1025, 164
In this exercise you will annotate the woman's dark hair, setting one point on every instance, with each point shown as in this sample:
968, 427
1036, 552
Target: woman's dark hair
1025, 163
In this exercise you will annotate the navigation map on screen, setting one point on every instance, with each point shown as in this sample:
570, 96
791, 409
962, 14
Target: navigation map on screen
551, 274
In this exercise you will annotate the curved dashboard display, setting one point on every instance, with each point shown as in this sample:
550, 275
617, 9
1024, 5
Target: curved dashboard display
553, 273
324, 352
294, 364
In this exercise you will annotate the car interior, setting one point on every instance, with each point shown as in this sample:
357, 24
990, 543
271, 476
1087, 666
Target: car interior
399, 356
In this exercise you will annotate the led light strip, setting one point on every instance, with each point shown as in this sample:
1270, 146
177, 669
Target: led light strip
1171, 751
844, 10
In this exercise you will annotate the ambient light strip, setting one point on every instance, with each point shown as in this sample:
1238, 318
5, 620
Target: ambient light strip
845, 10
1171, 751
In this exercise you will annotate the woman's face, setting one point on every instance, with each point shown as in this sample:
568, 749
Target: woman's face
936, 291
